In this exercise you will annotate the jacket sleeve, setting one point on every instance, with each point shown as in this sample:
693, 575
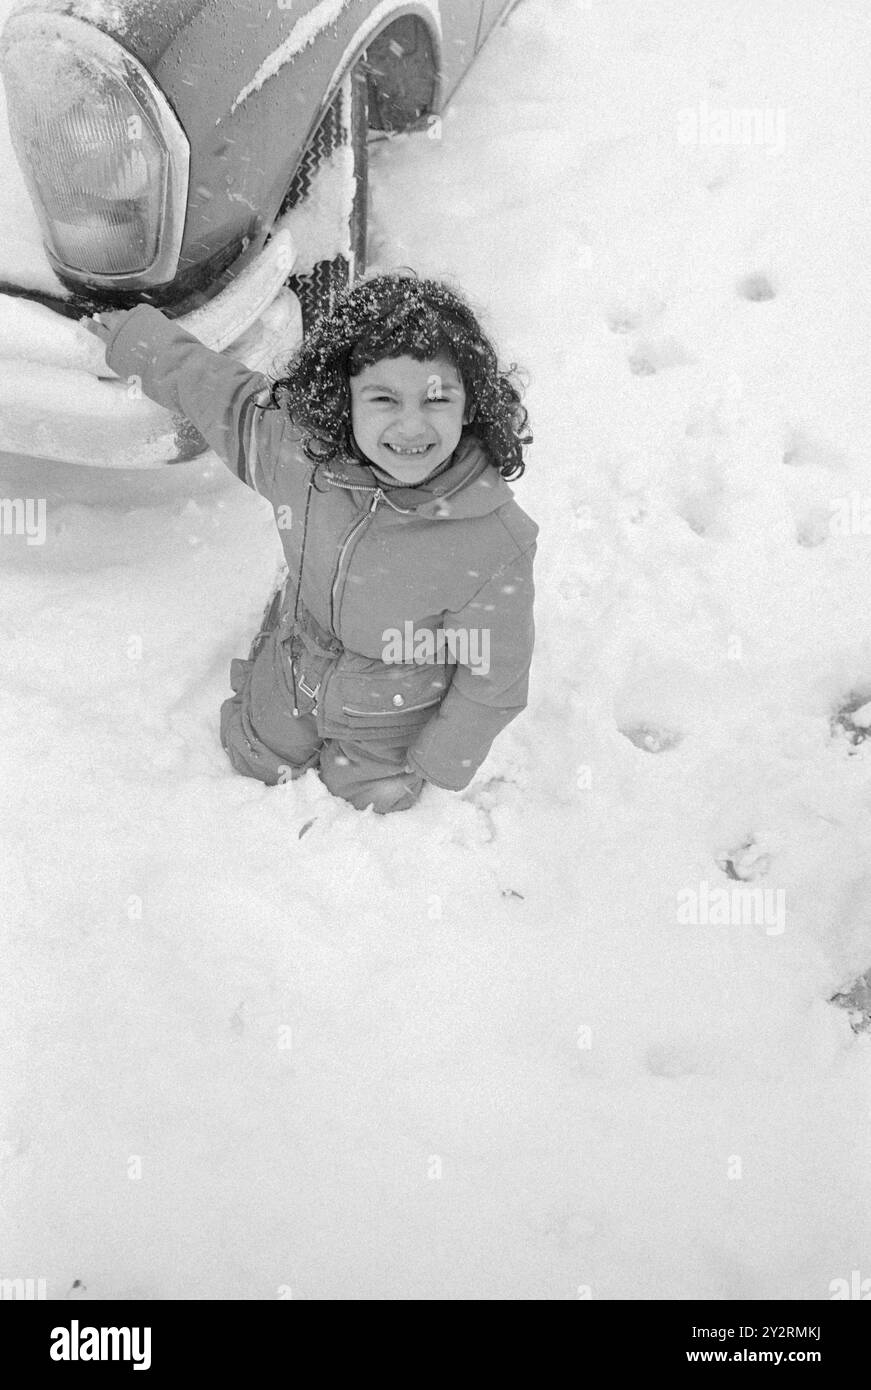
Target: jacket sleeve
217, 394
493, 642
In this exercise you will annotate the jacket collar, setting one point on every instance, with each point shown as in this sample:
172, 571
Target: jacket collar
466, 485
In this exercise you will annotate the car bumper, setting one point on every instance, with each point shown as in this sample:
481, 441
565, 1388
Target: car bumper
59, 400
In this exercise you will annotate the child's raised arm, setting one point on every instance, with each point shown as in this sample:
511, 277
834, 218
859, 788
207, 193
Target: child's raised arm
214, 392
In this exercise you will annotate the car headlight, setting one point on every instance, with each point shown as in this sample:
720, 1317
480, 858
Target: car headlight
104, 156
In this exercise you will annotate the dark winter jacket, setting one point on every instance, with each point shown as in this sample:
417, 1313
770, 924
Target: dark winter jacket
376, 571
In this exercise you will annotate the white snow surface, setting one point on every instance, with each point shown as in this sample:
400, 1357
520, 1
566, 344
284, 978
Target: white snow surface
472, 1051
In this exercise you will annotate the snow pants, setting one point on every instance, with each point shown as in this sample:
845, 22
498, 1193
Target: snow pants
263, 739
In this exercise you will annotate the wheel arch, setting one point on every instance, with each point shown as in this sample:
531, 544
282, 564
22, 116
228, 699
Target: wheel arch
378, 22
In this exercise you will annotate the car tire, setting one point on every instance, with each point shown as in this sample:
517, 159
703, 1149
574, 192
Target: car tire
333, 170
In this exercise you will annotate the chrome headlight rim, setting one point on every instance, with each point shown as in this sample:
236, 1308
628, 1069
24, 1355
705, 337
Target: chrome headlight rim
110, 53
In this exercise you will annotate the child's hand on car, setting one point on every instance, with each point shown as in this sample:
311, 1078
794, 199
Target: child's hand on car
103, 324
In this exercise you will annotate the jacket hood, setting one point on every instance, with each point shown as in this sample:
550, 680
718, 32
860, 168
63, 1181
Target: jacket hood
469, 486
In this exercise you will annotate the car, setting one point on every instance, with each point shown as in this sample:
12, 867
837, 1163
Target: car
207, 157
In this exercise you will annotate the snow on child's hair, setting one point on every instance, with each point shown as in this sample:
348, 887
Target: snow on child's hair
394, 315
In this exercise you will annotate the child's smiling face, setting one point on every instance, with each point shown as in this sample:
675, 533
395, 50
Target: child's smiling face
407, 416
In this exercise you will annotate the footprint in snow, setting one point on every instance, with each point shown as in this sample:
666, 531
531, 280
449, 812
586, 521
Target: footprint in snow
814, 529
756, 288
622, 320
748, 861
651, 739
803, 448
671, 1059
650, 357
627, 315
857, 1000
852, 720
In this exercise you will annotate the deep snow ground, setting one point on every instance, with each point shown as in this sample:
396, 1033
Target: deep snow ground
470, 1051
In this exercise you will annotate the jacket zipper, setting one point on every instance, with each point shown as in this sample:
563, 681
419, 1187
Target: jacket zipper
377, 497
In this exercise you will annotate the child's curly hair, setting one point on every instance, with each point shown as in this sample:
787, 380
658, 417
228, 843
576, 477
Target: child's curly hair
394, 315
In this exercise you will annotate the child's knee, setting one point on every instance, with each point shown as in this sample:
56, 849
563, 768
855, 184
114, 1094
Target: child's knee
251, 756
394, 794
235, 744
391, 794
364, 780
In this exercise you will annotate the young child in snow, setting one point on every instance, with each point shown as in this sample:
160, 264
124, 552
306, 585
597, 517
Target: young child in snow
401, 642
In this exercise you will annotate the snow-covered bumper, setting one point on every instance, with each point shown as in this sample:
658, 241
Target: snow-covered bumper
59, 400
